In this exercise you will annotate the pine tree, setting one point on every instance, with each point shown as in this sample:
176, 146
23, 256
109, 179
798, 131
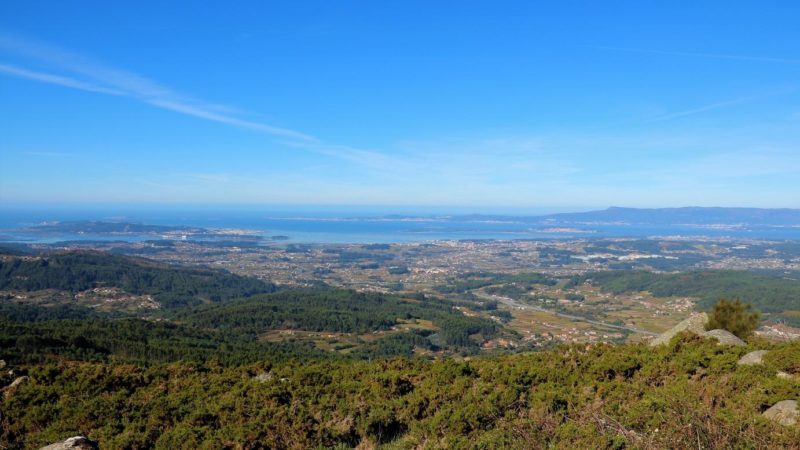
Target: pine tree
737, 317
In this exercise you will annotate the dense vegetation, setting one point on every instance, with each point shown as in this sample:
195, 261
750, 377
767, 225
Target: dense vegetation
171, 286
138, 341
688, 394
22, 312
767, 293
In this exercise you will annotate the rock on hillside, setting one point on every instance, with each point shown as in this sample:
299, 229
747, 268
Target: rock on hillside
696, 323
263, 377
11, 388
724, 337
784, 412
787, 376
73, 443
752, 358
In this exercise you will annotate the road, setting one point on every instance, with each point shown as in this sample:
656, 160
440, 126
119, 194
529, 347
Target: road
515, 304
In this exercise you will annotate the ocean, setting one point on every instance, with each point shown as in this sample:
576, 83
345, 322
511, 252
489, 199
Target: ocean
351, 226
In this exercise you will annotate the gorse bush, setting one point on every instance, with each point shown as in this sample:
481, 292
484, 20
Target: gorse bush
734, 316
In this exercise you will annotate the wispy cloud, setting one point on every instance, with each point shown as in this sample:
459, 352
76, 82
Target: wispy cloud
46, 154
719, 105
702, 109
751, 58
81, 73
204, 113
78, 72
56, 79
705, 171
208, 177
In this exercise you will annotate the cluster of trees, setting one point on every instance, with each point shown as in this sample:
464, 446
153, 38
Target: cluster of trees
396, 344
508, 290
522, 281
23, 312
688, 394
323, 309
349, 256
171, 286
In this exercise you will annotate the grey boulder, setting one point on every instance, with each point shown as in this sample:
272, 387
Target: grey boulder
752, 358
784, 412
11, 388
73, 443
724, 337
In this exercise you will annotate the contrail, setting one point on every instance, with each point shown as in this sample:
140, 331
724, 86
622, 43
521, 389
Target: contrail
701, 55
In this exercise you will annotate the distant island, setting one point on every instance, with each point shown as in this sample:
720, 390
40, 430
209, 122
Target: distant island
103, 228
100, 227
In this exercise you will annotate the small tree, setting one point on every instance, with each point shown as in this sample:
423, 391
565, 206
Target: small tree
737, 317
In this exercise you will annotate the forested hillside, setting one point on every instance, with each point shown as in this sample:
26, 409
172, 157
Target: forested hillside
338, 311
215, 315
767, 293
171, 286
137, 341
229, 333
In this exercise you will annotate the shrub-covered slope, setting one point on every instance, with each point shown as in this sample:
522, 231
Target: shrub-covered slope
689, 394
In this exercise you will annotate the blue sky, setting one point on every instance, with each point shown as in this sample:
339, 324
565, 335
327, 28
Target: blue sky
560, 105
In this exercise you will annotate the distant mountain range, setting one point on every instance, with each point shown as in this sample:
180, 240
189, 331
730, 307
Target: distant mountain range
691, 215
687, 215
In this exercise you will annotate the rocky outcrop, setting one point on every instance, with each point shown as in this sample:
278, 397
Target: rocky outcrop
73, 443
752, 358
696, 323
784, 412
724, 337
